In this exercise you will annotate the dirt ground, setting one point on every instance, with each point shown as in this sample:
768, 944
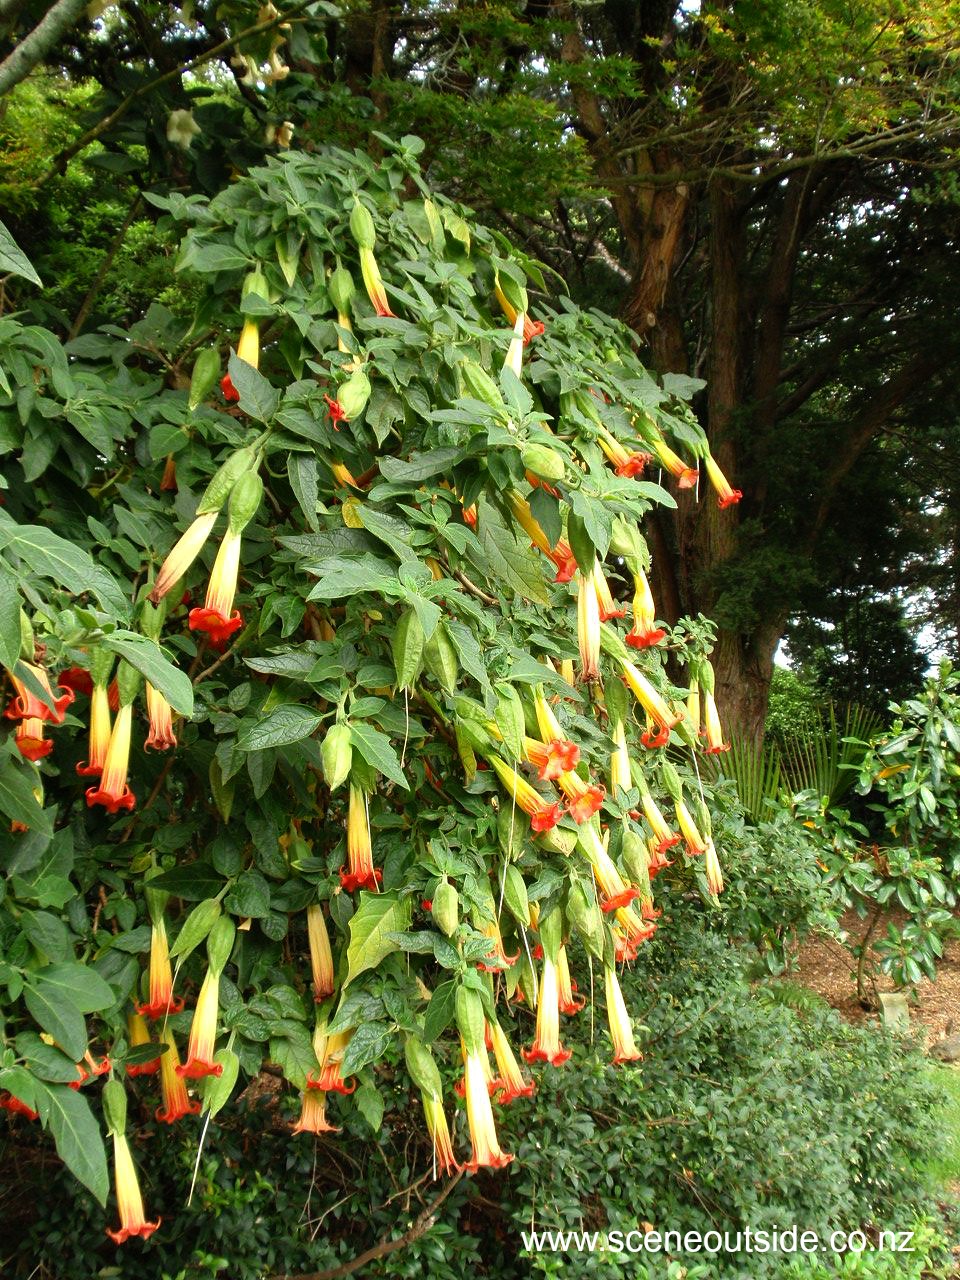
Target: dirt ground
826, 967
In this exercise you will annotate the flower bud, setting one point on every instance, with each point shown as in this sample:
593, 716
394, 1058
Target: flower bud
440, 659
336, 751
245, 499
478, 384
361, 226
470, 1019
446, 908
543, 462
352, 395
421, 1067
341, 288
203, 379
221, 485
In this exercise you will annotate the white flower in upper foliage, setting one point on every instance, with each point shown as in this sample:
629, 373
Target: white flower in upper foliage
181, 128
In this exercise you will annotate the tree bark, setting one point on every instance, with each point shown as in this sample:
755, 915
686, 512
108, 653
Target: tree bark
33, 48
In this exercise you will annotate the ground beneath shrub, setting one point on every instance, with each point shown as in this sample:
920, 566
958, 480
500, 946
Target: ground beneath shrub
826, 967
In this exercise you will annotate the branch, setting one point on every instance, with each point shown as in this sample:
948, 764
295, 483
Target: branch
34, 47
420, 1227
91, 296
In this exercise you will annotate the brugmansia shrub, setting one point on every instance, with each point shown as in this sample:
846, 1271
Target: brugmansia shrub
313, 760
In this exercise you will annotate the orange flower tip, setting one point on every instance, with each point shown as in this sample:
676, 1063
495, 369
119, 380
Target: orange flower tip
566, 568
572, 1006
620, 899
196, 1069
230, 392
540, 1055
177, 1113
322, 993
645, 639
17, 1108
606, 615
112, 803
160, 1008
145, 1229
634, 465
217, 627
546, 818
491, 1162
89, 770
730, 500
636, 1056
330, 1083
351, 881
585, 806
144, 1068
653, 740
77, 679
688, 478
715, 751
506, 1095
497, 964
336, 411
666, 843
159, 742
533, 329
34, 709
35, 748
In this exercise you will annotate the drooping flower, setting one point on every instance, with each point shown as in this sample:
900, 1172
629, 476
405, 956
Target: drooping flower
186, 549
30, 741
625, 462
653, 703
343, 475
28, 706
693, 704
77, 679
161, 736
687, 476
313, 1113
588, 626
664, 837
248, 350
138, 1034
217, 617
360, 873
583, 798
630, 932
711, 719
486, 1151
373, 283
615, 892
330, 1079
175, 1100
644, 633
335, 411
691, 833
113, 792
618, 1019
439, 1130
497, 960
168, 481
16, 1108
531, 328
568, 1001
162, 1000
546, 1045
510, 1081
727, 496
559, 755
620, 773
96, 1069
181, 128
133, 1221
561, 554
711, 868
203, 1031
321, 957
605, 601
543, 814
99, 733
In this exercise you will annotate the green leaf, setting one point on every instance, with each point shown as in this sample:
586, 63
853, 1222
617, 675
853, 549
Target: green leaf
388, 528
302, 470
368, 1043
147, 657
58, 1016
13, 261
210, 258
419, 466
346, 576
370, 1105
294, 1055
196, 927
79, 984
66, 1113
47, 933
9, 618
504, 560
257, 397
70, 567
290, 722
217, 1089
192, 882
377, 917
17, 800
250, 896
440, 1010
376, 749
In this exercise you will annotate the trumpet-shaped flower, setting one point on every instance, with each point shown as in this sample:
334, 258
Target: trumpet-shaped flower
664, 837
711, 869
30, 741
186, 549
569, 1002
373, 283
644, 631
691, 833
17, 1108
727, 496
113, 792
497, 959
531, 328
161, 736
542, 813
605, 601
133, 1220
313, 1113
28, 706
614, 890
711, 719
162, 1000
510, 1081
176, 1101
625, 462
248, 349
139, 1034
621, 1029
588, 625
551, 759
653, 703
486, 1151
687, 477
583, 798
330, 1079
203, 1032
561, 554
99, 733
321, 957
620, 773
546, 1045
360, 873
217, 616
439, 1130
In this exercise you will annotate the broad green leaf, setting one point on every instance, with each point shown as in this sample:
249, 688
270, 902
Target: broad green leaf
504, 560
13, 261
284, 724
346, 576
419, 466
302, 470
57, 1014
66, 1113
194, 881
369, 1103
79, 984
9, 618
378, 916
17, 800
376, 749
67, 565
368, 1043
258, 397
217, 1089
148, 659
294, 1055
440, 1010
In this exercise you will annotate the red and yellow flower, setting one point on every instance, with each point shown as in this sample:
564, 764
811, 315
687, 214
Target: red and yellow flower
321, 957
248, 350
588, 625
113, 792
435, 1116
217, 617
30, 741
510, 1081
711, 868
28, 706
661, 715
99, 733
162, 1000
605, 601
620, 773
313, 1113
133, 1220
176, 1101
203, 1032
644, 633
330, 1079
618, 1019
569, 1002
662, 834
727, 496
498, 958
185, 550
546, 1045
691, 833
687, 476
543, 814
360, 873
561, 554
531, 328
583, 798
614, 890
138, 1034
559, 755
711, 720
625, 462
486, 1151
161, 736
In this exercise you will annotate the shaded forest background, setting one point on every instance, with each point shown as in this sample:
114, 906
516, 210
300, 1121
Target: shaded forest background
767, 192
